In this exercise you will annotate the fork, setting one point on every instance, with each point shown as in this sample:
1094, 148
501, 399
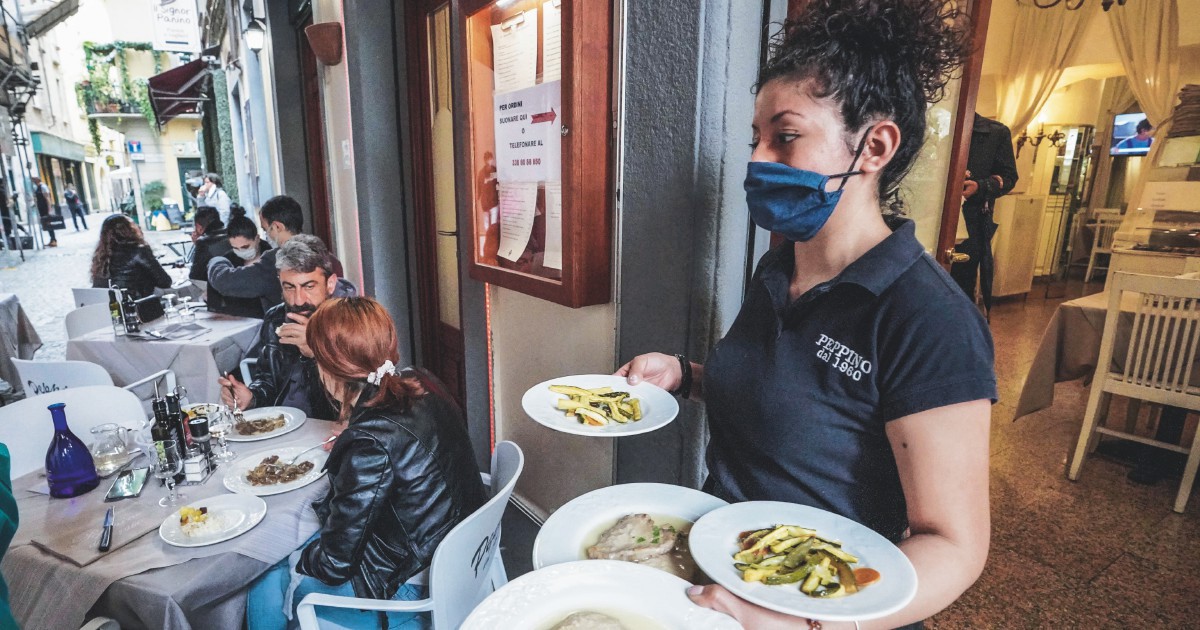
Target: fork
327, 441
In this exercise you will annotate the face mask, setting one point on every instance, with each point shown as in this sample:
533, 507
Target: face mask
270, 239
791, 201
246, 254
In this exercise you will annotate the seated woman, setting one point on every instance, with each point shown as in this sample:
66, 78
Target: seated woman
401, 476
245, 248
124, 259
210, 241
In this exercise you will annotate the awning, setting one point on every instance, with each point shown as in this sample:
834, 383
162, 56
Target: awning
179, 90
48, 144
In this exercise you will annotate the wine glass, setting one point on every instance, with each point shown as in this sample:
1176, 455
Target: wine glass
170, 312
167, 463
220, 424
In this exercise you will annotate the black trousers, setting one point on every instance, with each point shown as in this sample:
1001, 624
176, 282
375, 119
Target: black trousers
77, 218
978, 240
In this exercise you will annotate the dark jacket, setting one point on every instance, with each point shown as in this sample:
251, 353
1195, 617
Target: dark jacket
991, 154
398, 483
219, 302
135, 269
214, 242
257, 280
283, 376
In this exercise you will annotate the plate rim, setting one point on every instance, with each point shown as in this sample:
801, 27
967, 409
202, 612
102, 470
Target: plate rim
539, 544
624, 430
746, 592
266, 436
261, 510
275, 489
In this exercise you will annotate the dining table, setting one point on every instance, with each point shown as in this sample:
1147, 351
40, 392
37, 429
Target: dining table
197, 352
58, 579
18, 338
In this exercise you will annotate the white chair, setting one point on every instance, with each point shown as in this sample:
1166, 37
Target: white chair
245, 366
464, 568
1159, 363
41, 377
85, 319
26, 428
1108, 221
88, 295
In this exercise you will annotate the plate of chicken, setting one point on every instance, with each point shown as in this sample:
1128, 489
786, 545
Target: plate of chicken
276, 470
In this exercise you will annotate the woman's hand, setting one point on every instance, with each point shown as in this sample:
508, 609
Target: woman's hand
335, 432
655, 368
751, 616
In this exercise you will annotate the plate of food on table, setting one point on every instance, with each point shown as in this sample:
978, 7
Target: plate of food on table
265, 423
276, 470
605, 594
640, 523
804, 561
599, 405
213, 520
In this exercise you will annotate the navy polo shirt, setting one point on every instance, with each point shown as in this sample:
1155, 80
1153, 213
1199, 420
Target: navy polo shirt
799, 393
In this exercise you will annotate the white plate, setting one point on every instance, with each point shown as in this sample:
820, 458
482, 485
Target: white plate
575, 526
658, 407
713, 542
241, 512
293, 418
630, 592
235, 477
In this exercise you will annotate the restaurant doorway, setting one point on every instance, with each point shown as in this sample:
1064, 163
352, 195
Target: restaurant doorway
434, 184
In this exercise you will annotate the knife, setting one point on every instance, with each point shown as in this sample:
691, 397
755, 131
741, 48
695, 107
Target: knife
106, 533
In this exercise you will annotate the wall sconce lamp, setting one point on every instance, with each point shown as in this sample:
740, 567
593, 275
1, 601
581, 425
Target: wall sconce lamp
1025, 139
255, 34
1057, 139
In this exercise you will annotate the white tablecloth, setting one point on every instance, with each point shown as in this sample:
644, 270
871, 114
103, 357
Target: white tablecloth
18, 339
196, 362
52, 593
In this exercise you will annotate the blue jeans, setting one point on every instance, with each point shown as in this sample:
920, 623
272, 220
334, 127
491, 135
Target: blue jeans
264, 606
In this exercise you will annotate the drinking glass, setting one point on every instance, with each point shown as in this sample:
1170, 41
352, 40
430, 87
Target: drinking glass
219, 425
166, 463
170, 312
187, 310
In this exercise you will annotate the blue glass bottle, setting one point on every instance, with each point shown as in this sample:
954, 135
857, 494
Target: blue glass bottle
70, 470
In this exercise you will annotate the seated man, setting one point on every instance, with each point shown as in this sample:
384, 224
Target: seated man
282, 218
210, 240
285, 374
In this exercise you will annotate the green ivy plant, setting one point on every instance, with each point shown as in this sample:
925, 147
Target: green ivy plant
152, 195
99, 89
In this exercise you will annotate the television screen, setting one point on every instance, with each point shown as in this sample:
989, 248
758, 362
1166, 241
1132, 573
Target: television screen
1130, 135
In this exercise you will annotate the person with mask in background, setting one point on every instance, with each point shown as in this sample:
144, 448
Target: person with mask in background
243, 281
212, 193
285, 374
856, 378
282, 218
210, 240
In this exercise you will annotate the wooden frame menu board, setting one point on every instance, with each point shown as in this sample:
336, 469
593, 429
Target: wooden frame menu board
539, 92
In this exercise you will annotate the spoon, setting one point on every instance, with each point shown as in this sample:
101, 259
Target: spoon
327, 441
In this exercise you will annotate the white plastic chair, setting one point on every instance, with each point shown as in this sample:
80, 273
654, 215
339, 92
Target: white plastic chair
85, 319
26, 428
1159, 363
85, 296
1108, 221
40, 377
245, 366
464, 568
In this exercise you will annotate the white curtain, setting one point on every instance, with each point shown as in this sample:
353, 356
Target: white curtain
1043, 42
1117, 99
1146, 37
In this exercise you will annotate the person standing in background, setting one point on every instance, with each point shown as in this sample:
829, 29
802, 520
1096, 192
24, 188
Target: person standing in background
75, 205
212, 193
41, 197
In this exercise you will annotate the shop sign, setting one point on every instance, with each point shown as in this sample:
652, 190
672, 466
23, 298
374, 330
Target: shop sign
176, 26
529, 134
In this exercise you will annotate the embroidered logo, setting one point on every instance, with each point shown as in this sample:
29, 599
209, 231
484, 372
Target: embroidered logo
840, 356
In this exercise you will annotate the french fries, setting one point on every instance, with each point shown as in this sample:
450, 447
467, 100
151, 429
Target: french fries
598, 406
787, 554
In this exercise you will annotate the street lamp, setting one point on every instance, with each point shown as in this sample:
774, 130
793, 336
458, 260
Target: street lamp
255, 34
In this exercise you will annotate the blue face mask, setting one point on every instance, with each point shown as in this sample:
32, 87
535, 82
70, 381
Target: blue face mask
793, 202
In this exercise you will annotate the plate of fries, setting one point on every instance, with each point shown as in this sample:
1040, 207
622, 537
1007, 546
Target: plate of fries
599, 405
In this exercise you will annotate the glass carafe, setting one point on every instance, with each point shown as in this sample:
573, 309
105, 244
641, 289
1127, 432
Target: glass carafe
109, 449
70, 470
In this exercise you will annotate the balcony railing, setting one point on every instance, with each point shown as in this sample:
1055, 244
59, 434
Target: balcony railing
100, 105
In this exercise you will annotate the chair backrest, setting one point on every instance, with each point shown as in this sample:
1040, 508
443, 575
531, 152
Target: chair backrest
85, 296
26, 428
1108, 221
1164, 339
461, 569
43, 377
85, 319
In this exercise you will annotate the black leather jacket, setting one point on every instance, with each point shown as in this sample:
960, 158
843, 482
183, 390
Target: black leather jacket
283, 376
399, 482
135, 269
214, 242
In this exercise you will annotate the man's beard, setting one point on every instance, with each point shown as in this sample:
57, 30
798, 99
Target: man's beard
304, 309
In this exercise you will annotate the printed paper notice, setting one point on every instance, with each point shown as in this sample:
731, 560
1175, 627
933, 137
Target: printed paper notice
517, 204
529, 134
551, 41
514, 50
553, 258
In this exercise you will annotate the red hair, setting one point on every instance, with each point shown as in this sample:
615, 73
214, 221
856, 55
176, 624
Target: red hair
351, 338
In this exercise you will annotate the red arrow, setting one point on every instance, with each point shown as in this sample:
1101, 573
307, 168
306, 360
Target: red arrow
547, 117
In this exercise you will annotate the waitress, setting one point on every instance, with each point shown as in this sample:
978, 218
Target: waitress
857, 378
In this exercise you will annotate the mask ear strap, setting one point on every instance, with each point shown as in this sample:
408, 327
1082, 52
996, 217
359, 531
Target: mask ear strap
862, 144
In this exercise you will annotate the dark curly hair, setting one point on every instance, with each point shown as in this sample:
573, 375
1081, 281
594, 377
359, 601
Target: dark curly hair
117, 232
876, 59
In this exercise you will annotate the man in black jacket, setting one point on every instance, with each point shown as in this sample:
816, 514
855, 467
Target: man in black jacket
286, 374
991, 173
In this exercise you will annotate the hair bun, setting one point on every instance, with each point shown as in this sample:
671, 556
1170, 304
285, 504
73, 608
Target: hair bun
236, 211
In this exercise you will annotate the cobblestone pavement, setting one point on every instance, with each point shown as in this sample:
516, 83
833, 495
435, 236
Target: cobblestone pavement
43, 282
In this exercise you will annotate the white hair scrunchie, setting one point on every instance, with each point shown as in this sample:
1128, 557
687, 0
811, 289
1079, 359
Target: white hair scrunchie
376, 377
